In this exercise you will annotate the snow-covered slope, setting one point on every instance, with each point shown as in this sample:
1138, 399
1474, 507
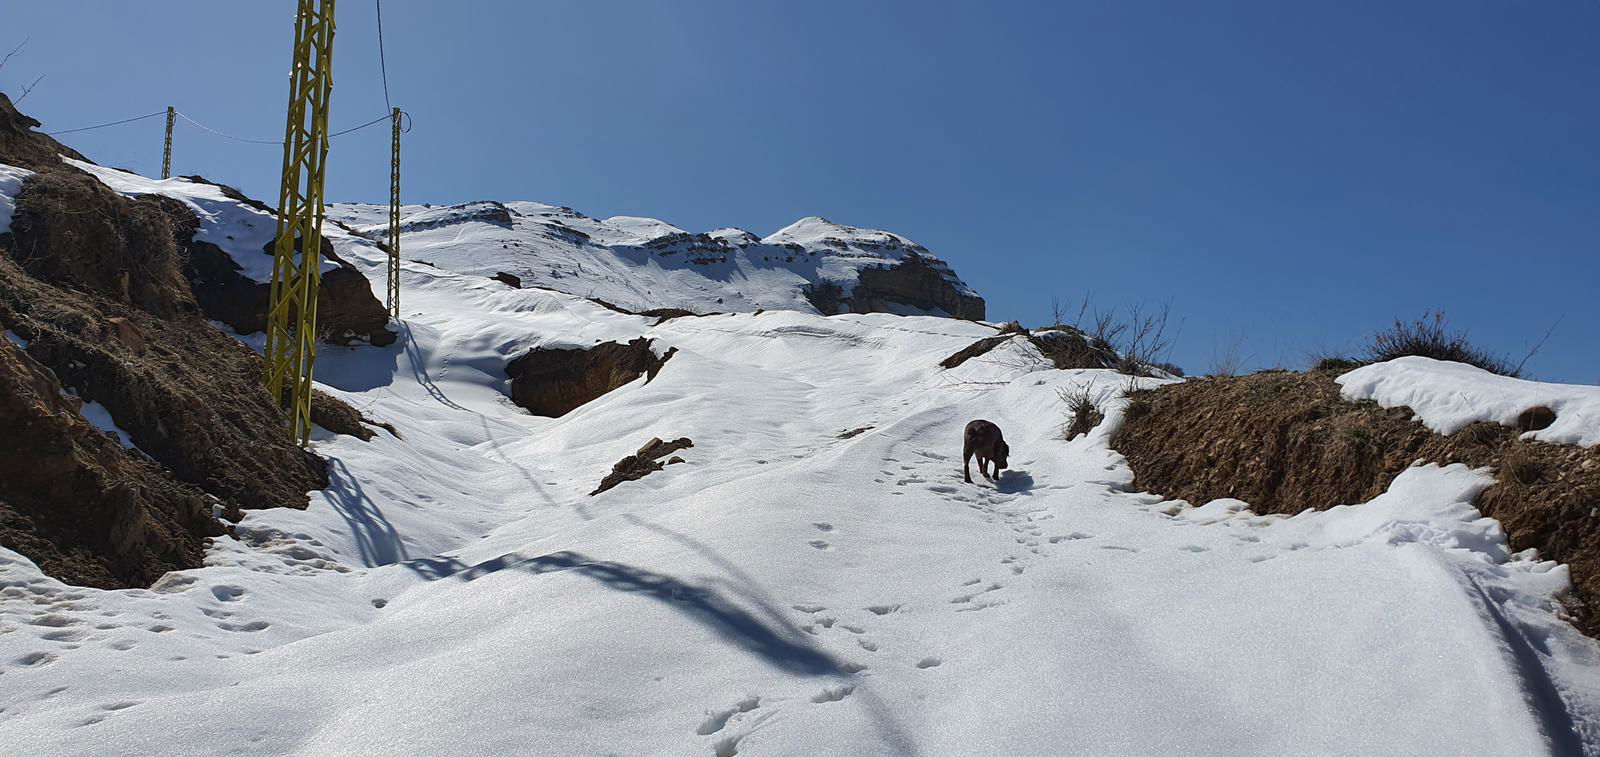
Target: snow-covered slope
1448, 397
786, 590
643, 263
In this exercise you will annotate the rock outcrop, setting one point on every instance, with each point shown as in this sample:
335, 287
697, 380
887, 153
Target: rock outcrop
552, 381
23, 147
914, 282
643, 463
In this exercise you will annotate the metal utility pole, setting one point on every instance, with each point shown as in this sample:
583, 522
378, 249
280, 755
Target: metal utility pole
166, 152
292, 313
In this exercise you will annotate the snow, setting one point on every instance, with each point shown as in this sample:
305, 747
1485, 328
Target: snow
786, 591
243, 232
643, 263
100, 417
11, 179
1448, 396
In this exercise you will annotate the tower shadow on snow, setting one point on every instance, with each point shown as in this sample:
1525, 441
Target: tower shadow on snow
699, 603
377, 540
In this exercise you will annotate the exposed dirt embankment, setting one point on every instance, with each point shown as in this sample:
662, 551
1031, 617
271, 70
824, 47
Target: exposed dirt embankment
1286, 442
553, 381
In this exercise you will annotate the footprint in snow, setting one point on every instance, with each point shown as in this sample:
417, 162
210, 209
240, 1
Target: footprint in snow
820, 544
833, 694
1074, 536
716, 720
823, 527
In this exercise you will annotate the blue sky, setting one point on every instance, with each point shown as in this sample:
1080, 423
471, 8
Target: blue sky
1289, 176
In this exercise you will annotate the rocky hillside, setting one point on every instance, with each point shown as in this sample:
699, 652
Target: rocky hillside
812, 265
132, 425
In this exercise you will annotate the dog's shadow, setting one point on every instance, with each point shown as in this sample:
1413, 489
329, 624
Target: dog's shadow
1014, 482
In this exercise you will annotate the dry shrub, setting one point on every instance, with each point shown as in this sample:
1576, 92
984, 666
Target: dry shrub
1082, 414
1429, 336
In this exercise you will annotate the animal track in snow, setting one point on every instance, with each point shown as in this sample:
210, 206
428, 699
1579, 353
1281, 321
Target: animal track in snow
252, 626
226, 593
1074, 536
727, 747
32, 659
929, 662
882, 609
851, 667
1120, 548
823, 527
809, 608
718, 719
832, 694
867, 644
819, 544
1195, 548
854, 629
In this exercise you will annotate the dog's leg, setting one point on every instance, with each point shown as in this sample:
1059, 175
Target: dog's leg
983, 467
966, 464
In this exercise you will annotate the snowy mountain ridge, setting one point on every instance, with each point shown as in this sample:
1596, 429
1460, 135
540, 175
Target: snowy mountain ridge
812, 265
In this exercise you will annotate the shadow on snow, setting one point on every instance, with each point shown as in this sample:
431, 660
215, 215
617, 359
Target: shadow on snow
699, 603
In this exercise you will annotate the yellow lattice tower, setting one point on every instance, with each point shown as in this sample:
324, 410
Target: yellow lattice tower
166, 152
394, 222
292, 312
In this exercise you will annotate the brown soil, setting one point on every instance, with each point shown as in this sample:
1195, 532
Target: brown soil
1286, 442
554, 381
75, 502
643, 463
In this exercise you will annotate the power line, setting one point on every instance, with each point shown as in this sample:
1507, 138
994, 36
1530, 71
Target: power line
113, 123
383, 66
384, 117
229, 136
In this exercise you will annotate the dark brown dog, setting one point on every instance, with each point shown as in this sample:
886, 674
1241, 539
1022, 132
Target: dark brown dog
983, 439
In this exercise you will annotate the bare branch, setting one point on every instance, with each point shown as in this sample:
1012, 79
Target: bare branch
14, 52
29, 88
1535, 350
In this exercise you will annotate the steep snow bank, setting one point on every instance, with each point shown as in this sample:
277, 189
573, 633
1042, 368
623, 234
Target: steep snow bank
1448, 397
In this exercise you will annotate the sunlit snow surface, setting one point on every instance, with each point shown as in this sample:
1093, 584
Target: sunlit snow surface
786, 591
11, 178
1447, 397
